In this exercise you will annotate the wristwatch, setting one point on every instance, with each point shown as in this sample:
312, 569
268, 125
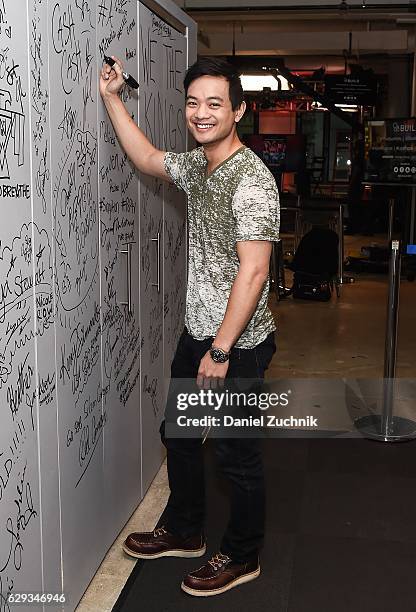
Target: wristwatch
218, 355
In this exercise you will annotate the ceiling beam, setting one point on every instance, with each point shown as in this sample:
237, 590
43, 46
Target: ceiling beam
300, 85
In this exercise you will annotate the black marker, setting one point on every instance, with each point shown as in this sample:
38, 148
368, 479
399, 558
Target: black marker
126, 76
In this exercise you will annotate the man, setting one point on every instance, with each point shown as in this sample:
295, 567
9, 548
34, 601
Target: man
233, 217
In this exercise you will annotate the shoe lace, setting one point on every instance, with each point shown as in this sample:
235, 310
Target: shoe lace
218, 560
158, 531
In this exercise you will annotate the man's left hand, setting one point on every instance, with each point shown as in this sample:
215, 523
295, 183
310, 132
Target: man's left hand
210, 374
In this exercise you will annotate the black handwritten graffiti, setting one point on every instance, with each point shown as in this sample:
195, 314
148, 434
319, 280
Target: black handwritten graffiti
173, 70
3, 22
36, 50
91, 434
119, 6
46, 388
17, 284
162, 118
155, 331
3, 63
163, 123
106, 43
68, 123
126, 385
40, 106
17, 393
130, 27
12, 120
174, 310
84, 8
130, 53
107, 133
175, 263
42, 177
150, 189
87, 94
12, 115
15, 527
9, 460
114, 230
161, 28
16, 547
12, 534
105, 14
80, 355
147, 45
128, 343
175, 233
151, 387
71, 68
25, 275
4, 594
24, 502
71, 39
76, 222
63, 28
6, 466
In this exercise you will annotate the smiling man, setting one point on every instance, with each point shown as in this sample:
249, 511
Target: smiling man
233, 218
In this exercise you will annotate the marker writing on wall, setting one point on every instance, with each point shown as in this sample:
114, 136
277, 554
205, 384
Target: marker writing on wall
126, 76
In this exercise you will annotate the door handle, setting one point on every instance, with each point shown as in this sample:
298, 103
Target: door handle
127, 252
157, 283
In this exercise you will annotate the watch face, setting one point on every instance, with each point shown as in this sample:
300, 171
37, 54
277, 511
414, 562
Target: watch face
218, 355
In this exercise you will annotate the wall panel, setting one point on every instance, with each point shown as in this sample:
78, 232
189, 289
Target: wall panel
23, 271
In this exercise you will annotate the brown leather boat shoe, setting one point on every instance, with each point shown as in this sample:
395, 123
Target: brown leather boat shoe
161, 543
219, 575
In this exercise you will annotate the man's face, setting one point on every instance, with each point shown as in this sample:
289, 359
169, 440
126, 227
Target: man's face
209, 115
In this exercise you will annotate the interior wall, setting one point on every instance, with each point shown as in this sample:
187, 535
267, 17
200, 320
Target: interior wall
399, 73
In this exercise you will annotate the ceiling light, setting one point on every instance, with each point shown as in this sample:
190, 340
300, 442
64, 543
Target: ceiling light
347, 108
257, 82
318, 106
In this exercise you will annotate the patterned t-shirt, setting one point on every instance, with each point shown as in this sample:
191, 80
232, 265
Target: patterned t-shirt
238, 201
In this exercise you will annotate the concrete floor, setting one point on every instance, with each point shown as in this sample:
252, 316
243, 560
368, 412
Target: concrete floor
344, 337
341, 338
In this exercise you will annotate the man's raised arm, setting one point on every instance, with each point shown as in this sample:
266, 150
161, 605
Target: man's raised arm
139, 149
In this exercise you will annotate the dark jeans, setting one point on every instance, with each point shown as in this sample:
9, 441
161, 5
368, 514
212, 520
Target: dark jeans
240, 460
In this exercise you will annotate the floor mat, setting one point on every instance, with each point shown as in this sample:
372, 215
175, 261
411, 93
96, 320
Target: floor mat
340, 534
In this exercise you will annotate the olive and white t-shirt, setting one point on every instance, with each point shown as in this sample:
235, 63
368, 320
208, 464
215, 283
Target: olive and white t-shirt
238, 201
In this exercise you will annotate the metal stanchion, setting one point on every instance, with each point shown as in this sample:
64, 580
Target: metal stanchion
341, 243
341, 278
386, 427
391, 220
297, 236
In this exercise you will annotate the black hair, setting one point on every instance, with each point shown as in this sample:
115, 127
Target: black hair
216, 66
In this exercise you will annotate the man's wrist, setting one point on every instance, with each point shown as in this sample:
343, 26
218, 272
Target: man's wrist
222, 343
112, 100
